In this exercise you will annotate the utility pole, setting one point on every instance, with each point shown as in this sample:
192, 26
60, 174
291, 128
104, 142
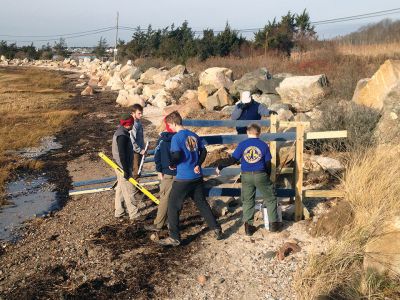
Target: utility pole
116, 38
266, 43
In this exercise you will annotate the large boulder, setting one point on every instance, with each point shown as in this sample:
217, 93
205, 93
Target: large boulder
160, 78
3, 58
151, 90
189, 96
217, 77
147, 77
219, 99
126, 98
372, 92
249, 81
162, 99
184, 109
266, 99
303, 92
269, 86
382, 252
177, 70
129, 72
173, 82
203, 91
388, 128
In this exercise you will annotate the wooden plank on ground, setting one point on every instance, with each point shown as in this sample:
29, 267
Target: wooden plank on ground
237, 138
106, 188
223, 123
299, 172
272, 147
323, 194
326, 135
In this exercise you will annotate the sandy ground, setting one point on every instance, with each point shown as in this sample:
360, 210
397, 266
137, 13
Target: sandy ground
82, 251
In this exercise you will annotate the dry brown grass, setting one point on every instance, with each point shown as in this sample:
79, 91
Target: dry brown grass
372, 188
372, 50
29, 108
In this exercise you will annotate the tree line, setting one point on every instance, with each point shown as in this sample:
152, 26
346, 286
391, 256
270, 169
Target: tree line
181, 43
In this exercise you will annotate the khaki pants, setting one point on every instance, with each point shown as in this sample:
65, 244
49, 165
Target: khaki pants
124, 198
165, 190
137, 158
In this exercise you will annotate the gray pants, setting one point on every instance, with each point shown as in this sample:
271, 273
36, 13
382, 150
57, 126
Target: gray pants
124, 198
165, 190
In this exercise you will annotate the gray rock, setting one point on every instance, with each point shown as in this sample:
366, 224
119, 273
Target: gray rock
303, 92
249, 81
269, 86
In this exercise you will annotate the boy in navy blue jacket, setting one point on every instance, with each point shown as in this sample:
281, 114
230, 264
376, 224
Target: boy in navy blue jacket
162, 159
255, 159
187, 155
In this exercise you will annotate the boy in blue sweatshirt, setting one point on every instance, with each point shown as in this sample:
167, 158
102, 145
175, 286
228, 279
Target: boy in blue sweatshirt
162, 159
187, 155
255, 159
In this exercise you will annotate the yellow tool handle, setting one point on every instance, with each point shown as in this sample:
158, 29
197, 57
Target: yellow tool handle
131, 180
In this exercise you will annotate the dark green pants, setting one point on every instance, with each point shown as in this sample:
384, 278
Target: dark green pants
261, 182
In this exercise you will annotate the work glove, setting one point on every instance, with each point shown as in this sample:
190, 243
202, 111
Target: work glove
272, 112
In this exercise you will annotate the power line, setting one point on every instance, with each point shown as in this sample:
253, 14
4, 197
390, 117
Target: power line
64, 37
57, 35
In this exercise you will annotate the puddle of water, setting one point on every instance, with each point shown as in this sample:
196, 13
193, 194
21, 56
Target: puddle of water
30, 198
46, 144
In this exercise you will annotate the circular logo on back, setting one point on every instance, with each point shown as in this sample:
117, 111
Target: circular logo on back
191, 143
252, 154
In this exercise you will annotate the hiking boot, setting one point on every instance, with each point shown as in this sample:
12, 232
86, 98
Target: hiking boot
169, 241
249, 229
275, 226
152, 227
218, 234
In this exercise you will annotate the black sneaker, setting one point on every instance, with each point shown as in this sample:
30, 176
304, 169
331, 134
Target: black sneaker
169, 241
275, 226
152, 227
218, 234
249, 229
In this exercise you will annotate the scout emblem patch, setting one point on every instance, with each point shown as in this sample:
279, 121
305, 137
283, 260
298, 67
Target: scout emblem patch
252, 154
191, 143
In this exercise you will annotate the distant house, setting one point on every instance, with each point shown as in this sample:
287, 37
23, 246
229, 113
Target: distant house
78, 56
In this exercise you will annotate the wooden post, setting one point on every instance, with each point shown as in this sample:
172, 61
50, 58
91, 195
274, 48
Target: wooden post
299, 172
272, 146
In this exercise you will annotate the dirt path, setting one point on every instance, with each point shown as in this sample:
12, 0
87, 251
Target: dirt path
82, 251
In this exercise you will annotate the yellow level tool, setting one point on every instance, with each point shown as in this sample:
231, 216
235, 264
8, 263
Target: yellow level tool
131, 180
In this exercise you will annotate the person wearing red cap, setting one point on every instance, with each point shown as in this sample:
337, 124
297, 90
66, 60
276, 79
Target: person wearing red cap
162, 159
122, 151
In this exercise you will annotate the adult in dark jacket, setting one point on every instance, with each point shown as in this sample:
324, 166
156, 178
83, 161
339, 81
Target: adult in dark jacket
162, 159
122, 151
248, 109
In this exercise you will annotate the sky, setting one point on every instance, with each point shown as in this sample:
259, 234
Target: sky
53, 17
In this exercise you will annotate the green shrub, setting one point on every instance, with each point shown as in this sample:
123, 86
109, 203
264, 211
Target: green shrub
358, 120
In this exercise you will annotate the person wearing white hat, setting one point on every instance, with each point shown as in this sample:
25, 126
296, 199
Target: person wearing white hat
248, 109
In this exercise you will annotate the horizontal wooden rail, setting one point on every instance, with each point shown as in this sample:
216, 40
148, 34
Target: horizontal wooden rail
223, 123
323, 194
237, 138
235, 192
326, 135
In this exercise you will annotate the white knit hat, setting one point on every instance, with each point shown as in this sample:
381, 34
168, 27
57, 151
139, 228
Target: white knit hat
245, 97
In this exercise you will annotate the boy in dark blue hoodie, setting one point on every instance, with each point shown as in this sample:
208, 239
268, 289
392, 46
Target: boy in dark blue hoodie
162, 159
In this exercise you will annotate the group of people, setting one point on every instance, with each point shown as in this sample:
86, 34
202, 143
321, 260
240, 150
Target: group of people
179, 156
